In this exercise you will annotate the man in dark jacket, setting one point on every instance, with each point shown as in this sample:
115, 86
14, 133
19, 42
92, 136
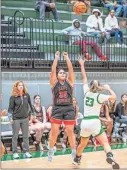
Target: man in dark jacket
46, 5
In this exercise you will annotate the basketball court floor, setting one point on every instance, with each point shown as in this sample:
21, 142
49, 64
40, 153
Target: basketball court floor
89, 160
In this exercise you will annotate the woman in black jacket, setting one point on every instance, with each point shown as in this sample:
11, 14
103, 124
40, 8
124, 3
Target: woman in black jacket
18, 113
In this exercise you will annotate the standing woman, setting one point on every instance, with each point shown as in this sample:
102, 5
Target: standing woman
63, 110
18, 113
91, 125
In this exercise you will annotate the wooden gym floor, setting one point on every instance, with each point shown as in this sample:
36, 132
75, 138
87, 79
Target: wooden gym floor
89, 160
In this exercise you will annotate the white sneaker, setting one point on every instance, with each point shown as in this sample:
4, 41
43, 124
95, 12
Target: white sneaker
54, 148
50, 155
124, 46
117, 45
15, 156
27, 155
63, 145
124, 137
41, 147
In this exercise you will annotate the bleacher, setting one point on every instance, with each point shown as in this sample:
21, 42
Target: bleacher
29, 43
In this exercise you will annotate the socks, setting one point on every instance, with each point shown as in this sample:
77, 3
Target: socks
109, 154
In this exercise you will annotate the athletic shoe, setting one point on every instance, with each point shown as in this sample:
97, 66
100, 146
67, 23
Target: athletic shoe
104, 58
27, 155
124, 46
118, 45
110, 160
88, 56
15, 156
64, 145
50, 154
41, 147
77, 160
124, 137
54, 148
73, 153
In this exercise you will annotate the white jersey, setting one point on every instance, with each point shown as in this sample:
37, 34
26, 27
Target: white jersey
93, 102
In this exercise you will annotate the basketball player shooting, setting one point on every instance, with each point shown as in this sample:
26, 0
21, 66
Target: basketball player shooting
91, 125
63, 110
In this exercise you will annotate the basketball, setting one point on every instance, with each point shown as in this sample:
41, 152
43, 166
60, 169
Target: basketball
79, 8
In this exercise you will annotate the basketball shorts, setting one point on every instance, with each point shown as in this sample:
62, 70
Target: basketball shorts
91, 126
65, 114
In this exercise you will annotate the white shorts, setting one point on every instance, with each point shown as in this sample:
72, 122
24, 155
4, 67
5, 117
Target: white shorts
91, 127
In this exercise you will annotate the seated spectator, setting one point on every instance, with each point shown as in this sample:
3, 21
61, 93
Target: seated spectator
124, 7
46, 5
106, 119
88, 5
121, 110
77, 34
121, 118
39, 124
95, 25
113, 6
111, 26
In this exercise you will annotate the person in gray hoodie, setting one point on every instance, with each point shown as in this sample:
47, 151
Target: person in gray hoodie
78, 39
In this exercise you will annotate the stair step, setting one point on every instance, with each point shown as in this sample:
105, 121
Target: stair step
13, 34
21, 55
6, 28
7, 40
6, 22
2, 17
20, 64
10, 46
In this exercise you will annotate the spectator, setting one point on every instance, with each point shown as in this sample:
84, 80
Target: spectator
121, 110
77, 33
113, 6
46, 5
18, 113
124, 7
106, 119
111, 26
95, 25
39, 124
121, 117
88, 5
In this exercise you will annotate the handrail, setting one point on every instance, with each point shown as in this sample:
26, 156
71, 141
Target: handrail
15, 17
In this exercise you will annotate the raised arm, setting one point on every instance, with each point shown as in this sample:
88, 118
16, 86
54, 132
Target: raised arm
53, 77
70, 68
111, 92
81, 62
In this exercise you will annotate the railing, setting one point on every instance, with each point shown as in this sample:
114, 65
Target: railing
32, 43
